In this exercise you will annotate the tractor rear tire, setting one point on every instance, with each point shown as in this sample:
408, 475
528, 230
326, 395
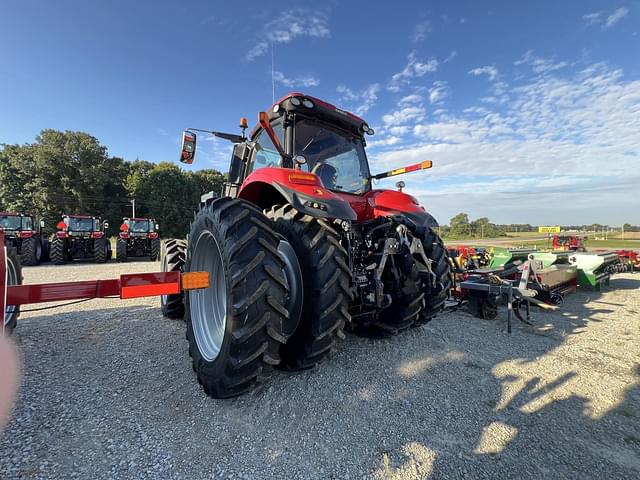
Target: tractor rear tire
121, 250
57, 253
327, 293
30, 251
172, 258
155, 249
234, 326
14, 277
100, 249
441, 266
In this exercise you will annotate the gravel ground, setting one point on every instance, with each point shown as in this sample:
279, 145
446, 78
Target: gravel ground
108, 392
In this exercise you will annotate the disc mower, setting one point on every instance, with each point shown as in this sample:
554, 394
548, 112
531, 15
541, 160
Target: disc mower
80, 237
301, 246
138, 238
24, 234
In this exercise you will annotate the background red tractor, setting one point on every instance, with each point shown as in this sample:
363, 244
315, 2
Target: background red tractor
80, 237
138, 238
301, 247
24, 234
569, 242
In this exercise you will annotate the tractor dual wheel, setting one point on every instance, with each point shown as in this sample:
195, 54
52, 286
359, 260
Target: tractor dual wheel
326, 286
58, 251
14, 277
101, 250
235, 327
172, 258
31, 251
435, 297
154, 250
121, 250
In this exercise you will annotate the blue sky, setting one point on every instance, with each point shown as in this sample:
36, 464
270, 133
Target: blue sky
530, 111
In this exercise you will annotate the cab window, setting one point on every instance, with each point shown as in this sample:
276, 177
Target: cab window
265, 154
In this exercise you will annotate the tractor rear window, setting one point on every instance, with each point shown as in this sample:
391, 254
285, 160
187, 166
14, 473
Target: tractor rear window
9, 223
336, 156
80, 224
140, 226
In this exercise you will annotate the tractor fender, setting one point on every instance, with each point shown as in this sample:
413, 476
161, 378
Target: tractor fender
268, 186
387, 203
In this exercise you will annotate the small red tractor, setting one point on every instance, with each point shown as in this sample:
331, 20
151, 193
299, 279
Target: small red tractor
138, 238
80, 237
569, 242
23, 233
300, 247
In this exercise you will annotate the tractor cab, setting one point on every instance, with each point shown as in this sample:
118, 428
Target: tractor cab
13, 223
139, 227
81, 226
325, 146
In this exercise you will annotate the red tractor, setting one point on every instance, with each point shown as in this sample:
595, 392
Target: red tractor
569, 242
138, 238
80, 237
22, 233
300, 247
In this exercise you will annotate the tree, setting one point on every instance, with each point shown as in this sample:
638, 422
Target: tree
460, 225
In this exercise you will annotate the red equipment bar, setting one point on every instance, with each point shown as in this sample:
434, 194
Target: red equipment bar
127, 286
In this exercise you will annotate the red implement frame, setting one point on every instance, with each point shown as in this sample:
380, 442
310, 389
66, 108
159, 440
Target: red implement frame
127, 286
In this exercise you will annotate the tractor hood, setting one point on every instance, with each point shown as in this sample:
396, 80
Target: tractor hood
302, 190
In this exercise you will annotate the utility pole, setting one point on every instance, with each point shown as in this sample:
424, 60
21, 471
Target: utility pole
133, 207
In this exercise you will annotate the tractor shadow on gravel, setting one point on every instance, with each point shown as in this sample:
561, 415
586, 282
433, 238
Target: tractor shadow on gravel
558, 400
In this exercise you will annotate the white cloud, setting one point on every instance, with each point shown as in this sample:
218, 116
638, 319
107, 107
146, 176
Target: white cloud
399, 131
450, 57
539, 64
413, 98
384, 142
403, 116
592, 18
288, 26
607, 21
489, 71
364, 99
615, 17
421, 31
438, 92
568, 138
414, 68
280, 78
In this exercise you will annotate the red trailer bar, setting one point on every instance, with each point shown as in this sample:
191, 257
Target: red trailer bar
133, 285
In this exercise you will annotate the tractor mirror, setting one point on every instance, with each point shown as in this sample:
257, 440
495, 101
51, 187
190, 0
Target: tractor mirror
105, 224
157, 227
188, 147
41, 223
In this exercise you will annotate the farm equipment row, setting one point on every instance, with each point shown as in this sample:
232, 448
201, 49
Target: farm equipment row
483, 277
78, 237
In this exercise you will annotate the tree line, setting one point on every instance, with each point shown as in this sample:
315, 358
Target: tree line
72, 173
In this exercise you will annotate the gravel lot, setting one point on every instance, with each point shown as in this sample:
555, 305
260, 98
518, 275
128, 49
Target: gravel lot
108, 392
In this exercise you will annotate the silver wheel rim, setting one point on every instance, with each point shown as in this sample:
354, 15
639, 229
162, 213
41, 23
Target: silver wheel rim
12, 279
208, 307
293, 274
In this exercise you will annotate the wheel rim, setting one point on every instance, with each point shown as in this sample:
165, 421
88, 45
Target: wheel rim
163, 268
208, 306
293, 274
12, 279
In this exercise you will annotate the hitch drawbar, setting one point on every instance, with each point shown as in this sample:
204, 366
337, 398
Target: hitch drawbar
128, 286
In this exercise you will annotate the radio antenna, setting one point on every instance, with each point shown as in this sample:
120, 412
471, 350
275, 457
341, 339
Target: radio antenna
273, 78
